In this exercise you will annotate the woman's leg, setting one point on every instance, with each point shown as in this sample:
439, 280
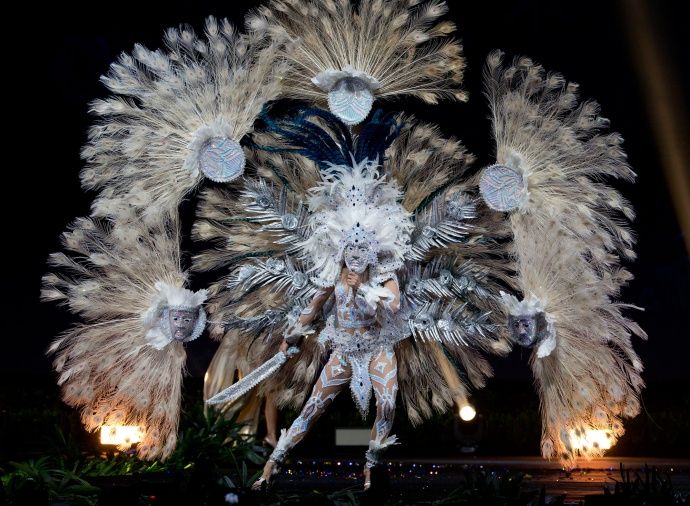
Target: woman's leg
383, 371
334, 376
271, 414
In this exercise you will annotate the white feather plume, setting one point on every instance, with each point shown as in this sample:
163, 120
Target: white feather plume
117, 276
567, 238
351, 196
395, 47
144, 149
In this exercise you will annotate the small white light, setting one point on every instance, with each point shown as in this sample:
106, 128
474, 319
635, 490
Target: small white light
121, 435
467, 413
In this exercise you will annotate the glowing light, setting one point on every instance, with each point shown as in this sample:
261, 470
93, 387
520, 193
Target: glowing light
592, 440
467, 413
121, 435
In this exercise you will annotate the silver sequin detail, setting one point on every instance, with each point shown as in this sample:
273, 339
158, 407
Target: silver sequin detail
423, 321
503, 188
221, 159
275, 266
289, 221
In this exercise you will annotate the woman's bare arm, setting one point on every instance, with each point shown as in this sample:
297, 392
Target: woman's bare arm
307, 316
392, 285
309, 313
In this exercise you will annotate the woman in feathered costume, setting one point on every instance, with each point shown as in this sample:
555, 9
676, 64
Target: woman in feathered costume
360, 235
392, 236
394, 264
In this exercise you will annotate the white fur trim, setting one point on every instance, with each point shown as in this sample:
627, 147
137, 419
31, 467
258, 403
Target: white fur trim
327, 79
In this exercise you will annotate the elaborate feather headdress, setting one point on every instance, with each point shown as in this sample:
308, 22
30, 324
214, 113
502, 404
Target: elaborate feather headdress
348, 56
354, 204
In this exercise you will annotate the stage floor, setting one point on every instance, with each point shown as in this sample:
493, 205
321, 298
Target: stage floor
433, 479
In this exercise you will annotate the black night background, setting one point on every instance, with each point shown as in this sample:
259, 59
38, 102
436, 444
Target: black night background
52, 65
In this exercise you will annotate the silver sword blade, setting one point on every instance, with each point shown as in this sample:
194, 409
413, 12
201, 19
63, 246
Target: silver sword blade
237, 390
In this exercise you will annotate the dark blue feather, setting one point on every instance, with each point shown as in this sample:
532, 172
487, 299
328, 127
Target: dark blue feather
332, 143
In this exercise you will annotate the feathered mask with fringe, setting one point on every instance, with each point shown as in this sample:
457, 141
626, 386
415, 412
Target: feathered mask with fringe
353, 204
173, 298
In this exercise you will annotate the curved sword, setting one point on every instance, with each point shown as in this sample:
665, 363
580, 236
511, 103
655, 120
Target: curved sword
265, 370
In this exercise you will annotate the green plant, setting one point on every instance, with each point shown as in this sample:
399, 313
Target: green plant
653, 487
211, 441
211, 457
36, 482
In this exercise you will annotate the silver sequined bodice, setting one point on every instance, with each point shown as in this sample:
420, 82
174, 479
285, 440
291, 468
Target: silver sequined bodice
351, 313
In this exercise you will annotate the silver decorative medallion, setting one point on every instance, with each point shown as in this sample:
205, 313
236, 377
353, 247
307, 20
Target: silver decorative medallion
289, 221
350, 100
445, 277
275, 266
264, 201
299, 279
221, 159
423, 321
503, 188
415, 286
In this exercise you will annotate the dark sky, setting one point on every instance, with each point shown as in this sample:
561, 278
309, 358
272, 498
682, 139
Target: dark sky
54, 60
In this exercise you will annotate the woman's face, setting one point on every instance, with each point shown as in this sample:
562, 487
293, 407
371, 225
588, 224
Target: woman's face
356, 256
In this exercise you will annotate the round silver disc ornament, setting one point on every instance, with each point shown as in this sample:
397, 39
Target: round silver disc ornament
264, 201
463, 282
503, 188
350, 100
289, 221
221, 159
445, 277
299, 279
414, 286
423, 321
275, 266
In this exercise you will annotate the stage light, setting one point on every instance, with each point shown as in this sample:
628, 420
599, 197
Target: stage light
121, 435
467, 413
591, 440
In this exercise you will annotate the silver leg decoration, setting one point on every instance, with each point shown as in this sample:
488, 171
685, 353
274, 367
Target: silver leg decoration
334, 376
280, 451
373, 454
383, 372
